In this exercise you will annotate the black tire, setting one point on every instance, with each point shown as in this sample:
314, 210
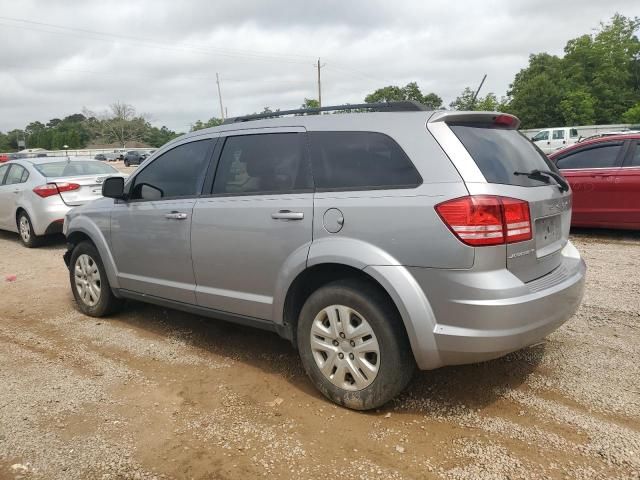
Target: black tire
126, 163
30, 239
396, 363
107, 302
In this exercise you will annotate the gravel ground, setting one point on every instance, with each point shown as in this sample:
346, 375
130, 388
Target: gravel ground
154, 393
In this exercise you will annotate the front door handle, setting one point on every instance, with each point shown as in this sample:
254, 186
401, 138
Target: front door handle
287, 215
176, 216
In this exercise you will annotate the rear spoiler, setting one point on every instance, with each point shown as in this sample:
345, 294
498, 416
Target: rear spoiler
503, 120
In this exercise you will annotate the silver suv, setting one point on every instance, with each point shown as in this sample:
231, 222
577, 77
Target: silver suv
377, 242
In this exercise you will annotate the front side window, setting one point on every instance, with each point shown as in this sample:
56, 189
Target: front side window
16, 175
177, 173
263, 163
359, 161
558, 134
599, 156
541, 136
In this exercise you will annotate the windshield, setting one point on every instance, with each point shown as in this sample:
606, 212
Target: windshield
75, 168
499, 153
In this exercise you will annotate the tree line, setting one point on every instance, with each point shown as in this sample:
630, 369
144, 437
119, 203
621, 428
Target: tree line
596, 81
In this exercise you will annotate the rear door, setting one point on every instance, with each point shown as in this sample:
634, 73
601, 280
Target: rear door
256, 223
591, 170
628, 188
499, 151
151, 231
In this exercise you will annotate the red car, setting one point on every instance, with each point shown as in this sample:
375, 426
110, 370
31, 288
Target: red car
604, 174
4, 158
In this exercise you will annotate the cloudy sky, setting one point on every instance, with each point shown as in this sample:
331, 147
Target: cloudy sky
58, 56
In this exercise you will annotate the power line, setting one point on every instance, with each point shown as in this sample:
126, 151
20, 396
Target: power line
151, 43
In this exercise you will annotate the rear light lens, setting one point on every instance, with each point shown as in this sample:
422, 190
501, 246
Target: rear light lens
481, 220
505, 121
49, 189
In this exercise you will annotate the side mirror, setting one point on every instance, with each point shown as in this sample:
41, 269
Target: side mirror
113, 187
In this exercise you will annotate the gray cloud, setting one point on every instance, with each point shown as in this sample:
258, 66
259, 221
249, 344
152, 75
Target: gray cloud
162, 56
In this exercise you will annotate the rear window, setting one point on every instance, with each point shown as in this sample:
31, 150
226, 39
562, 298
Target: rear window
74, 168
500, 152
360, 161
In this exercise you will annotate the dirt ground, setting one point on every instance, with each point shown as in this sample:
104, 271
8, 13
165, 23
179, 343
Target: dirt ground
154, 393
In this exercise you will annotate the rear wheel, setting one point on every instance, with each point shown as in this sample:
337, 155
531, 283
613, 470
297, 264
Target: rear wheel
89, 282
353, 345
25, 229
126, 163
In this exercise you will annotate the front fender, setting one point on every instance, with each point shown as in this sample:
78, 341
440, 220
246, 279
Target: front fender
94, 228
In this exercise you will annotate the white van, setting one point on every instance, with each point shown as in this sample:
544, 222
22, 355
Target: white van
552, 139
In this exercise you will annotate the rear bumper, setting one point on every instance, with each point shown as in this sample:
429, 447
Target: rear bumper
47, 215
484, 315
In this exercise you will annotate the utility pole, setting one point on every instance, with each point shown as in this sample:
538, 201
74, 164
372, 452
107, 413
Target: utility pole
319, 84
220, 97
473, 100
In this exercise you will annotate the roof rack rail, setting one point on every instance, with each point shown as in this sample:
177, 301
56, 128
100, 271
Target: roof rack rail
405, 106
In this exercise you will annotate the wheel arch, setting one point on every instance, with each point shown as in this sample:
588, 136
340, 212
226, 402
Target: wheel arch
80, 229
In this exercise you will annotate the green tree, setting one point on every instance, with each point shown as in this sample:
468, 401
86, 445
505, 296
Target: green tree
632, 115
578, 108
465, 101
410, 91
310, 103
597, 80
212, 122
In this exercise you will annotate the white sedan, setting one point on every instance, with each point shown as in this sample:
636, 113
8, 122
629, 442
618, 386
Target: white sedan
36, 193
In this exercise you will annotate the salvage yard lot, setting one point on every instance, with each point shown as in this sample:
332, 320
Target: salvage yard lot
152, 392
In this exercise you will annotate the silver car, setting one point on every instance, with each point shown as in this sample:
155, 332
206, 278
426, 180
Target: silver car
377, 242
36, 193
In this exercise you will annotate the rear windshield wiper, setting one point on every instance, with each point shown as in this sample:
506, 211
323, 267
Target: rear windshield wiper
544, 175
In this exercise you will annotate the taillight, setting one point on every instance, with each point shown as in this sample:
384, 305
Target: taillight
487, 220
49, 189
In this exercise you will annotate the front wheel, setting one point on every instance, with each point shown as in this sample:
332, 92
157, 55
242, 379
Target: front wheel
353, 345
89, 282
126, 163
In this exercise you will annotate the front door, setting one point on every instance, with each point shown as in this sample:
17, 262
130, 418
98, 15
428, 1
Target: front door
7, 203
592, 171
151, 231
257, 223
558, 139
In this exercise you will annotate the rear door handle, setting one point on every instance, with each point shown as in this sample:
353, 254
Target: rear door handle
176, 216
287, 215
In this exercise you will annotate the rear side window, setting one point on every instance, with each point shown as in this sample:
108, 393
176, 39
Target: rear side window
635, 158
17, 174
263, 163
541, 136
359, 161
499, 153
600, 156
3, 172
179, 172
558, 134
75, 168
573, 133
